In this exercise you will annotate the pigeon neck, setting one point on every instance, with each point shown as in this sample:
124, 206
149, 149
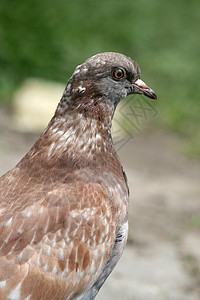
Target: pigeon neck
78, 134
85, 101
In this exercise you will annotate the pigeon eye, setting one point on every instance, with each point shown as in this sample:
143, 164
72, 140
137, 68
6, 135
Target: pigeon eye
118, 73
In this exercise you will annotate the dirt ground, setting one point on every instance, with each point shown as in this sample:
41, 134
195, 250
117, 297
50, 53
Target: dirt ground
162, 258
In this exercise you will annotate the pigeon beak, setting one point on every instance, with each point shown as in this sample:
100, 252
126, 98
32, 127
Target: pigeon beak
141, 88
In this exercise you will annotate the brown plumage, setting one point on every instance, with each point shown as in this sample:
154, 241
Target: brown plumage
64, 207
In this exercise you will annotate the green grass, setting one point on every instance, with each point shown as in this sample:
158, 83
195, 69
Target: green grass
195, 221
49, 38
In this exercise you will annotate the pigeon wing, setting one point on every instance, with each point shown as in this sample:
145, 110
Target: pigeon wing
66, 232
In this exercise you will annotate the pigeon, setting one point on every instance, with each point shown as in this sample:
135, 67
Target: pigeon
64, 206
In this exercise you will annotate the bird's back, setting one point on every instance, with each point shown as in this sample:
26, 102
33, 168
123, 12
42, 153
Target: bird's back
58, 228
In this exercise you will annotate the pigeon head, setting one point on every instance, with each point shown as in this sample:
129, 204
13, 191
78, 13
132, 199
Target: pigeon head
101, 82
82, 122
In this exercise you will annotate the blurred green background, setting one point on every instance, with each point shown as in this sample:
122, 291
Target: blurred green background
47, 39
